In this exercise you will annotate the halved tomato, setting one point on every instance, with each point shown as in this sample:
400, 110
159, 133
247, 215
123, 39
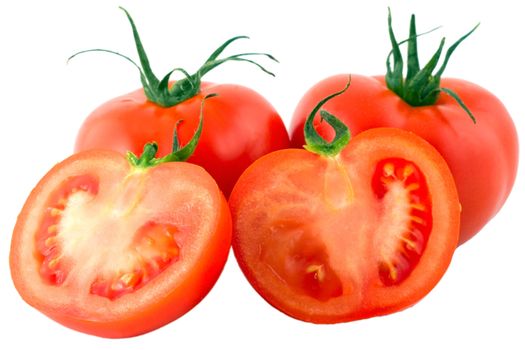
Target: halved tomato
332, 238
116, 250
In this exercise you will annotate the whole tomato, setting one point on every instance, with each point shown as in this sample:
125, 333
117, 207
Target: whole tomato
240, 125
467, 124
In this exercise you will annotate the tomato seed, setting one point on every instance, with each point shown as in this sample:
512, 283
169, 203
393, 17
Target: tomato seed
389, 169
54, 212
408, 170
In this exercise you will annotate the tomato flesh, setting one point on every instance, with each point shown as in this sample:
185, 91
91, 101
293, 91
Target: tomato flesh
333, 239
115, 251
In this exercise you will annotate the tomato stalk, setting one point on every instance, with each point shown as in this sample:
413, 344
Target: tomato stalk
160, 91
419, 87
317, 144
178, 154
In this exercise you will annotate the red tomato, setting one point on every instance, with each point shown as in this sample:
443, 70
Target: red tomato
115, 250
483, 156
329, 239
239, 127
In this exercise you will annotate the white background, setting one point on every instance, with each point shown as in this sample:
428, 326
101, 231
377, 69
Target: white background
481, 299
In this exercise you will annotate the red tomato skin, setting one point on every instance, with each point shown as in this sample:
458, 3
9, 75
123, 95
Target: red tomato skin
483, 157
139, 318
239, 126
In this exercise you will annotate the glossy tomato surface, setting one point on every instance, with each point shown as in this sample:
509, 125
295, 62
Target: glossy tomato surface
239, 127
483, 157
365, 233
116, 251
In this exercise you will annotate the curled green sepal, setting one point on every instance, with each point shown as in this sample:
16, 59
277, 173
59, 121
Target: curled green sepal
160, 91
179, 154
314, 142
420, 87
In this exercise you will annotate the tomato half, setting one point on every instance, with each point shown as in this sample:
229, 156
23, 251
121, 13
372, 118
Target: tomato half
330, 239
113, 250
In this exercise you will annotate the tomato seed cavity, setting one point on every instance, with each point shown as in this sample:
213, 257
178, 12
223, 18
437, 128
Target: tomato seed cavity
395, 266
301, 261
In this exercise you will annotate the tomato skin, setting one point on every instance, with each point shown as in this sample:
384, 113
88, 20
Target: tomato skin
239, 127
282, 198
165, 298
483, 157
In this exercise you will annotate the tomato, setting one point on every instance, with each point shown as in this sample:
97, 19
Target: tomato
117, 248
240, 125
483, 156
361, 232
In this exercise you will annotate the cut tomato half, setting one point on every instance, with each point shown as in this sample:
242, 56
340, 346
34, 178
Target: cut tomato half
367, 232
114, 250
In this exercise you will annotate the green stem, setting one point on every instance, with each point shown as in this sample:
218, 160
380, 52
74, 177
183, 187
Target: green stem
144, 61
420, 86
179, 154
317, 144
159, 91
